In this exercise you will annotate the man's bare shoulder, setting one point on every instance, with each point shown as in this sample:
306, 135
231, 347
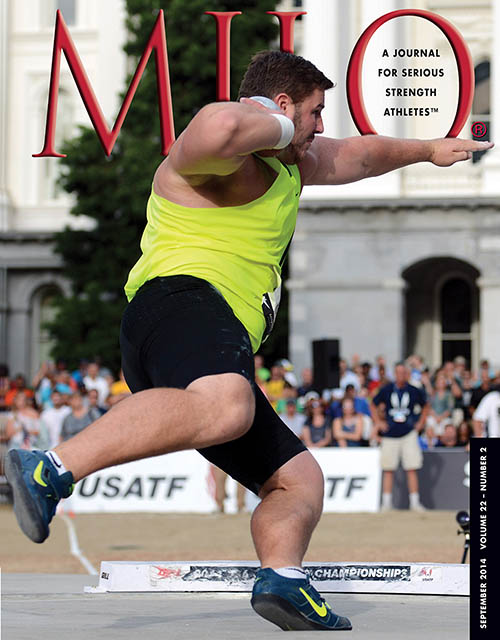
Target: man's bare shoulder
171, 185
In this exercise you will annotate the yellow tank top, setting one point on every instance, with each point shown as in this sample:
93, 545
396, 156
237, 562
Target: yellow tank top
239, 250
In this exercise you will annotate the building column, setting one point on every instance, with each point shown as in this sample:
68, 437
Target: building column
395, 290
489, 326
320, 46
491, 160
19, 342
3, 314
4, 40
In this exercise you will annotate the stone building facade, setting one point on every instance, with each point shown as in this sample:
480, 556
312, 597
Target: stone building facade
400, 263
32, 207
406, 262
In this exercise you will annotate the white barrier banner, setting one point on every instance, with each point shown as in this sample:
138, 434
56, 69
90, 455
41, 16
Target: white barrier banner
182, 482
177, 482
352, 478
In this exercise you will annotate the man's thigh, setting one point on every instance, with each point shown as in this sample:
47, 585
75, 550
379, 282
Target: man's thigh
179, 329
411, 454
266, 447
390, 452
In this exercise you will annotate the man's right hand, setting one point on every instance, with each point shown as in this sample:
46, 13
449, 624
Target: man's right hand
382, 426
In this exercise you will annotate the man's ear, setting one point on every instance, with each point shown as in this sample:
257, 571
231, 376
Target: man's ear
283, 101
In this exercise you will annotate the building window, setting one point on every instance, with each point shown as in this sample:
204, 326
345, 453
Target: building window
49, 8
50, 167
456, 319
481, 105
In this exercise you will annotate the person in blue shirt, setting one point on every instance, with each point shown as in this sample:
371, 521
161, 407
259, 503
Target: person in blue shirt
405, 409
361, 404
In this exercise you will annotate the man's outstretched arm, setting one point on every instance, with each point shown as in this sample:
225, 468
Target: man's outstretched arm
332, 161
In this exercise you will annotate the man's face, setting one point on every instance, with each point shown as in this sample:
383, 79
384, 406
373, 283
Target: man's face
449, 369
307, 120
400, 374
76, 401
56, 399
485, 376
93, 370
350, 391
307, 376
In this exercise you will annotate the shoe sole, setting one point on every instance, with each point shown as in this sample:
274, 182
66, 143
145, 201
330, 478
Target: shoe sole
285, 615
27, 512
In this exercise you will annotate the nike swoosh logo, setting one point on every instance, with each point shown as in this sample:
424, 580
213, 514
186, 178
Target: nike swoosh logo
38, 474
321, 611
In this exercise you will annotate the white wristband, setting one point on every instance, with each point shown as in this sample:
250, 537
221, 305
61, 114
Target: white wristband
287, 130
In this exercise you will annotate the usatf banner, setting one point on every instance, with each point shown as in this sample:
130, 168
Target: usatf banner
182, 482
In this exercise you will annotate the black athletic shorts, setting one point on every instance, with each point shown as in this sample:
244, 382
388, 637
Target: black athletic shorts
180, 328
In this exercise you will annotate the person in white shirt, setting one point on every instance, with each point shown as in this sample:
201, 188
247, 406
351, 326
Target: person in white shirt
53, 417
486, 418
292, 419
95, 381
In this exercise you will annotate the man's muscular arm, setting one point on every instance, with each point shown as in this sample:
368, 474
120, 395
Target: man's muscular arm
219, 138
332, 161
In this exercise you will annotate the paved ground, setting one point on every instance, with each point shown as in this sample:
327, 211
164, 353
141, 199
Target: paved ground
48, 600
396, 536
54, 606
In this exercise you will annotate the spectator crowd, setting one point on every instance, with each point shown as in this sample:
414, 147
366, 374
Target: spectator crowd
344, 416
370, 405
56, 404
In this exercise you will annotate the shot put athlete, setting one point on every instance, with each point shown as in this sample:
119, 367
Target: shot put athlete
203, 296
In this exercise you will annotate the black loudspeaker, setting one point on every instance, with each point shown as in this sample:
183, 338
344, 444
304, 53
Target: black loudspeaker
326, 364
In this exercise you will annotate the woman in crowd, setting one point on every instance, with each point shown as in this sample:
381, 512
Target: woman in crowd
23, 424
442, 403
348, 428
317, 431
428, 439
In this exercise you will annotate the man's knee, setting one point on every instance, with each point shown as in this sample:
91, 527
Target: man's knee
230, 405
301, 476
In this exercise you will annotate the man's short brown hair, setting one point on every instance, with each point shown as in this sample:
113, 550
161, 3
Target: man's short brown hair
273, 72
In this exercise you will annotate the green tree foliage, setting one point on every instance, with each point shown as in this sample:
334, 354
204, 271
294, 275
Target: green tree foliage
113, 190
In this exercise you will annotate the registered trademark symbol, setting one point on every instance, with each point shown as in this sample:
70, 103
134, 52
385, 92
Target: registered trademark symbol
479, 129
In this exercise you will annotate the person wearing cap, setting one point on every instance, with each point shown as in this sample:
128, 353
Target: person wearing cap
317, 430
288, 372
460, 364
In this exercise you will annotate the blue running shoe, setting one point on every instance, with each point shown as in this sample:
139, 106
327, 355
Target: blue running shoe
37, 488
293, 604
